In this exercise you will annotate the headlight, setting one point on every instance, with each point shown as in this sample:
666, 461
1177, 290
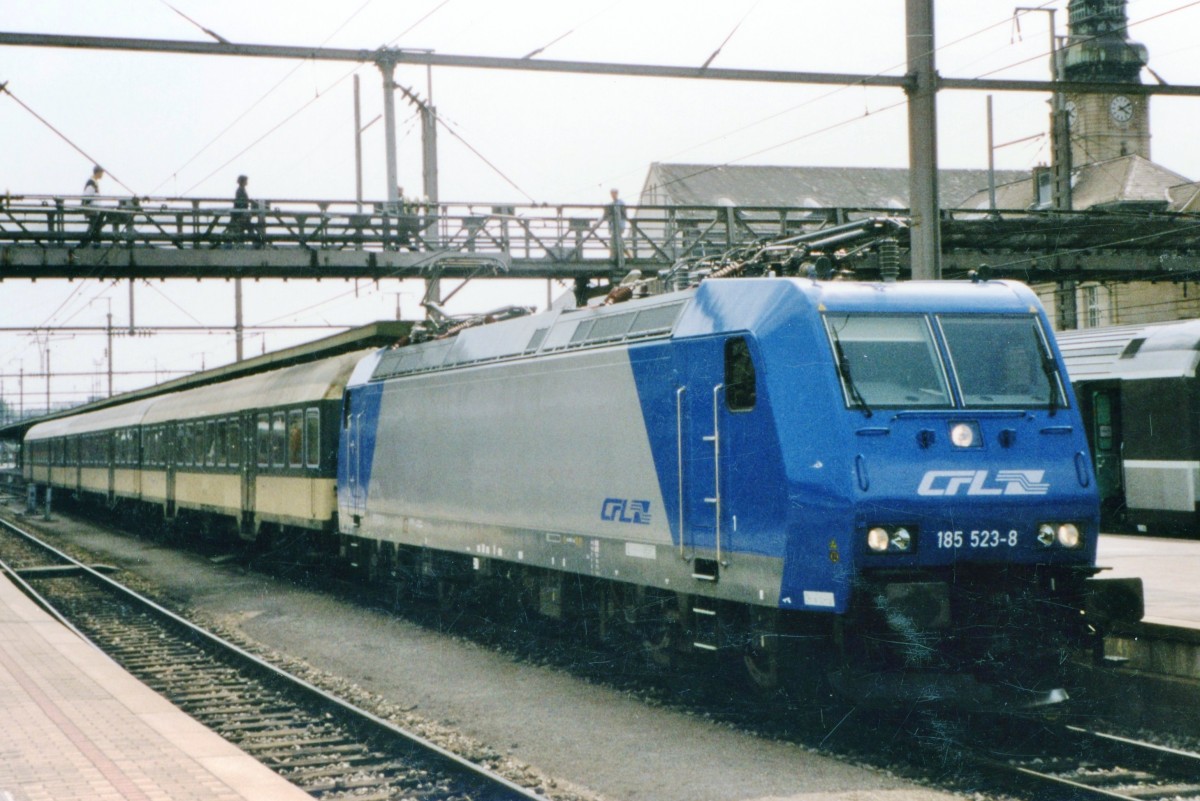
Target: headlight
877, 539
897, 539
965, 435
1065, 534
1068, 535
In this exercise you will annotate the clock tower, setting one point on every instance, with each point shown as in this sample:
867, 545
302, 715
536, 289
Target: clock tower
1104, 126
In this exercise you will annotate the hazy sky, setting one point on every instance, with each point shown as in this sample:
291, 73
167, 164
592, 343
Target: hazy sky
179, 125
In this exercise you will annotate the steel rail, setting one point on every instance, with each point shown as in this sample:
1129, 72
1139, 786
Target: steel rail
1115, 762
359, 716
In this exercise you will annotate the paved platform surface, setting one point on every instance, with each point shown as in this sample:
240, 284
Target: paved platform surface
75, 725
1170, 573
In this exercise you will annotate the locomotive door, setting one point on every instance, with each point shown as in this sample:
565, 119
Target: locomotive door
719, 387
1107, 445
356, 493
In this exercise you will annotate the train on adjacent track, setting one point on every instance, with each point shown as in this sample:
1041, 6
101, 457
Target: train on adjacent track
1138, 397
893, 474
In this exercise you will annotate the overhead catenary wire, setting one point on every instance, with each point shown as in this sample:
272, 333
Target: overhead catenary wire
258, 102
823, 96
560, 37
5, 90
208, 31
721, 46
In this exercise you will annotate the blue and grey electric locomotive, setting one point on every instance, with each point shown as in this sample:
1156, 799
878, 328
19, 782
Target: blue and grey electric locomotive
899, 468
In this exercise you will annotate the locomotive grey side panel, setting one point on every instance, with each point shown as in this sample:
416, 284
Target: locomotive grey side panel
556, 444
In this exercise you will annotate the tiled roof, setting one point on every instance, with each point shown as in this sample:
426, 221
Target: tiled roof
813, 187
1128, 182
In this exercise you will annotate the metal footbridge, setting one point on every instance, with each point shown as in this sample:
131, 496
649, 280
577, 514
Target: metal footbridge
61, 237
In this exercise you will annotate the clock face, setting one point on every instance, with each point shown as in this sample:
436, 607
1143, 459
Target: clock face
1121, 108
1072, 112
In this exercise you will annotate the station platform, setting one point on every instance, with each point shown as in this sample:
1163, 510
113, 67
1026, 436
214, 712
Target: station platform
1169, 570
77, 726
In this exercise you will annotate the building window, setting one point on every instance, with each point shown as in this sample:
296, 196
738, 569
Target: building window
1091, 302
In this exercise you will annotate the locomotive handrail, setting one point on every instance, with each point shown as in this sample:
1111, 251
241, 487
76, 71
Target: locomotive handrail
679, 462
716, 441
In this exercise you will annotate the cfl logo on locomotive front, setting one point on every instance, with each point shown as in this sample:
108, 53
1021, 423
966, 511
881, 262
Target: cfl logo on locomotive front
977, 482
622, 510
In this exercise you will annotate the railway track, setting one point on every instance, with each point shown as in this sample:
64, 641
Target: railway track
1039, 762
316, 740
1074, 764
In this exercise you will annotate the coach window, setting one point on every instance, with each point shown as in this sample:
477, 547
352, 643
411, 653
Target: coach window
200, 443
233, 454
312, 437
295, 443
189, 438
262, 440
741, 384
208, 431
278, 440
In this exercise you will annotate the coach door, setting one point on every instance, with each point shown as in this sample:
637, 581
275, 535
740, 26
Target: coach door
1107, 442
248, 428
173, 450
720, 387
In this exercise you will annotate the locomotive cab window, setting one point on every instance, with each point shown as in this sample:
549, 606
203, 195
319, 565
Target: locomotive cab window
1002, 361
741, 383
887, 360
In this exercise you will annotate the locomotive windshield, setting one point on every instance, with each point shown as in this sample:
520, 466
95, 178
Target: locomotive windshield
887, 360
893, 360
1002, 361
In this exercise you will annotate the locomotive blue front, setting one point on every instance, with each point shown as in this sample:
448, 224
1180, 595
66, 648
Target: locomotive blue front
893, 427
911, 452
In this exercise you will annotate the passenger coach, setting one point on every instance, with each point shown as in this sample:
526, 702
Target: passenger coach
1140, 399
252, 455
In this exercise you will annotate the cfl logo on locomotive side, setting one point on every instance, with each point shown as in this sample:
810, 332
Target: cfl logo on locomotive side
977, 482
621, 510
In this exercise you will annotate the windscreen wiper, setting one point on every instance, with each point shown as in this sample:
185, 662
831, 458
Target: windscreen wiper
847, 379
1051, 371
